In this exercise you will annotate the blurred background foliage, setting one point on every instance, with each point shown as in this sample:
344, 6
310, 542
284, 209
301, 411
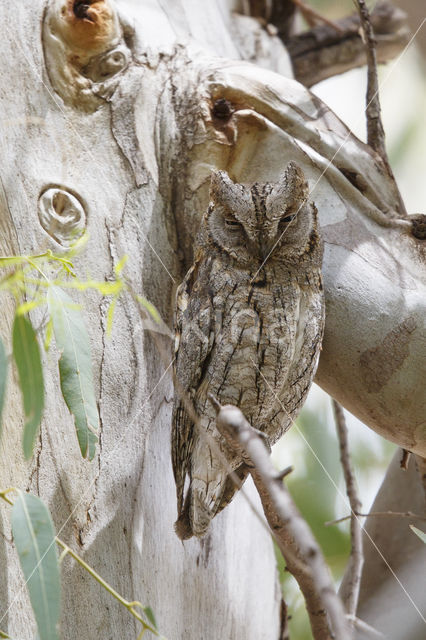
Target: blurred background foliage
311, 446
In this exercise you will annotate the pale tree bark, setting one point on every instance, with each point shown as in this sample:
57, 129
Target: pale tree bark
113, 112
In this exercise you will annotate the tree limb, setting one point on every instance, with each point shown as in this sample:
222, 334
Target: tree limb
323, 51
379, 514
294, 538
375, 130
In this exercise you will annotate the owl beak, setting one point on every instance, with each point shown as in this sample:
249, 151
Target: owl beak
266, 248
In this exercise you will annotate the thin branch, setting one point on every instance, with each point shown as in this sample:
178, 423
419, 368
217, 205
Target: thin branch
350, 593
130, 606
375, 130
367, 630
302, 554
398, 514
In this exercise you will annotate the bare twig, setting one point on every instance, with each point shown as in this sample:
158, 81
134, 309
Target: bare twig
294, 537
375, 130
398, 514
367, 630
322, 52
350, 593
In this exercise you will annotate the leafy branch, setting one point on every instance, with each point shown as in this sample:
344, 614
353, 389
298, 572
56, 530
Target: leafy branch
36, 280
35, 542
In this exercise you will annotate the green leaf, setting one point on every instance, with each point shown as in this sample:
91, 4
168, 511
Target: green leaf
3, 377
78, 246
75, 368
150, 615
34, 537
120, 266
27, 357
419, 533
49, 335
29, 306
158, 325
9, 261
148, 306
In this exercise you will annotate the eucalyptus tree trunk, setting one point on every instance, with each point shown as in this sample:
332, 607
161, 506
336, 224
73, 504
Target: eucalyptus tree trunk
122, 111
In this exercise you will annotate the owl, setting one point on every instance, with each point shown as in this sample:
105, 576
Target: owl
249, 324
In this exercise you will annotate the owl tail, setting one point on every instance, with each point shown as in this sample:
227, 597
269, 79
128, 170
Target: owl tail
205, 499
203, 502
206, 488
197, 512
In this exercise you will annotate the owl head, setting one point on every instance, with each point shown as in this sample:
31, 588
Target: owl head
264, 221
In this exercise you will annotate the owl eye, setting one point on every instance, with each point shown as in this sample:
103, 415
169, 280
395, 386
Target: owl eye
232, 224
288, 218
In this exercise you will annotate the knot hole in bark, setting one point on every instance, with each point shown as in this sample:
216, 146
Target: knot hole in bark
80, 9
222, 109
419, 226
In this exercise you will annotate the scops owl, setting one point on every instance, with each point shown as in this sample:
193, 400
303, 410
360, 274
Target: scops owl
249, 325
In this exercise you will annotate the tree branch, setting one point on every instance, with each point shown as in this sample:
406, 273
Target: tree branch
375, 130
324, 51
380, 514
350, 592
294, 537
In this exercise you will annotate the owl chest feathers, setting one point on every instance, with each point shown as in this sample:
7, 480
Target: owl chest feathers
256, 331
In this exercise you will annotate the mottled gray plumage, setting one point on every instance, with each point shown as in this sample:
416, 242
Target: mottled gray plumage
249, 324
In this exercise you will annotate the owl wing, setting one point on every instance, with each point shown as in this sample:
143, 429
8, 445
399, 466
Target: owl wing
193, 343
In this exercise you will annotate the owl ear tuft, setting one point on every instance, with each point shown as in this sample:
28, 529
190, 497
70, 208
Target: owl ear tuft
221, 186
293, 181
291, 190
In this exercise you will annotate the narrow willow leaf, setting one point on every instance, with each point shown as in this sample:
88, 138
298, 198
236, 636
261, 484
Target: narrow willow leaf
27, 357
121, 264
153, 321
3, 378
12, 260
78, 246
48, 335
419, 533
75, 368
28, 306
146, 304
34, 537
150, 615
